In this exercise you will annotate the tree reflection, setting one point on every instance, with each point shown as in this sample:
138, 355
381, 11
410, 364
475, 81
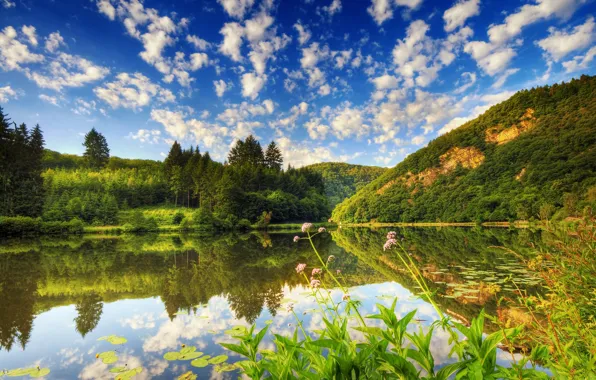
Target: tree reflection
89, 310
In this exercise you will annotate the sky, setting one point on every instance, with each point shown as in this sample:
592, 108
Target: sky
360, 81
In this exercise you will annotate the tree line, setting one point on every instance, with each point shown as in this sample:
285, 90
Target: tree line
252, 185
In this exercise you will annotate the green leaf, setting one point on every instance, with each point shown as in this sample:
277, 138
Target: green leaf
129, 374
187, 350
190, 356
114, 339
187, 376
218, 359
199, 363
170, 356
118, 369
41, 372
20, 372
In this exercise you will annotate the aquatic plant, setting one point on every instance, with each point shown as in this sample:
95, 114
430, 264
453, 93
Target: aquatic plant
387, 350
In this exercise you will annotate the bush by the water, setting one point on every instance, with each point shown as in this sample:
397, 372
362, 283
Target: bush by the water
140, 223
22, 225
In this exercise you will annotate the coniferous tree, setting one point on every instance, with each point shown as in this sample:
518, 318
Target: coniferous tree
97, 152
273, 157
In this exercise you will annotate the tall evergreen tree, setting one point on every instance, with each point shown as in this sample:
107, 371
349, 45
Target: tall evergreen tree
273, 157
97, 152
247, 152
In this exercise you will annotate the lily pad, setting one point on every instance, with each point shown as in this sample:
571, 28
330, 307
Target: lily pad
268, 322
108, 357
118, 369
187, 350
226, 367
218, 359
187, 376
114, 339
170, 356
129, 374
39, 372
19, 372
190, 356
199, 363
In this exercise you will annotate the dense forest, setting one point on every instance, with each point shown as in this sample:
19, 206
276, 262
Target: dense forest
532, 156
250, 187
343, 180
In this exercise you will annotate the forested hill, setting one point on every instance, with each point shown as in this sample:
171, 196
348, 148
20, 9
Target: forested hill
56, 160
343, 180
532, 156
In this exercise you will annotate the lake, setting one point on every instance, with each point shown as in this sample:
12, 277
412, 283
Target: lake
59, 296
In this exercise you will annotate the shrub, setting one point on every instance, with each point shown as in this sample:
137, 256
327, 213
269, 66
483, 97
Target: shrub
243, 225
177, 218
19, 225
186, 225
203, 219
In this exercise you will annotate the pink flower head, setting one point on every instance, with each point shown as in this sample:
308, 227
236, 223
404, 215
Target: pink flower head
315, 283
391, 235
316, 271
296, 238
306, 227
339, 271
300, 268
322, 229
346, 297
290, 307
389, 243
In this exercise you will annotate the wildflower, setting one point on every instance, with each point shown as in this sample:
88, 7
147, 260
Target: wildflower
345, 297
322, 229
306, 227
330, 259
389, 243
290, 307
315, 283
296, 238
316, 271
391, 235
96, 356
338, 271
300, 268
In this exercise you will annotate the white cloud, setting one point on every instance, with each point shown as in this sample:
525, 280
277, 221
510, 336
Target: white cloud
316, 130
29, 31
313, 54
8, 4
349, 122
83, 107
529, 14
490, 58
418, 140
198, 60
269, 105
303, 33
559, 43
503, 77
151, 137
385, 82
333, 8
54, 41
220, 87
68, 71
256, 27
13, 53
470, 80
382, 10
133, 91
301, 154
232, 32
49, 99
173, 122
457, 15
6, 93
236, 8
197, 42
106, 7
580, 62
324, 90
252, 84
343, 58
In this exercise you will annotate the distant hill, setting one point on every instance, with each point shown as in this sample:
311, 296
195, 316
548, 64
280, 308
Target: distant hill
55, 160
344, 180
532, 156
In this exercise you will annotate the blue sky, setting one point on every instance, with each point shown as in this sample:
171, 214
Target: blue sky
361, 81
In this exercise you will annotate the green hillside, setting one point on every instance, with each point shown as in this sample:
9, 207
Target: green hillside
532, 156
344, 180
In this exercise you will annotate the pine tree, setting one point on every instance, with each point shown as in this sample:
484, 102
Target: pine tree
273, 157
97, 152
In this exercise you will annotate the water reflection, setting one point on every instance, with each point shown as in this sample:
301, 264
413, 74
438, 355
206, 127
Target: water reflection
59, 296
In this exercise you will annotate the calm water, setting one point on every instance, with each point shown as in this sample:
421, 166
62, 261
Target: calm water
57, 297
